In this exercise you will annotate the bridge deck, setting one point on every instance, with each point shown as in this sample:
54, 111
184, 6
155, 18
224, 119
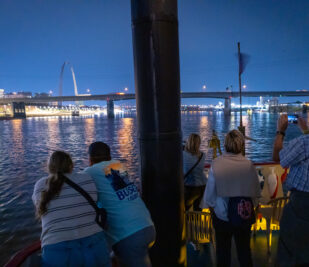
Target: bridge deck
118, 97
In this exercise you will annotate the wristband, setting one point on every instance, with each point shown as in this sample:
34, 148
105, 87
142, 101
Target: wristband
281, 133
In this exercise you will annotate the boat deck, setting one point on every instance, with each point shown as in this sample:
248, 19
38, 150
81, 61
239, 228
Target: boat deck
205, 257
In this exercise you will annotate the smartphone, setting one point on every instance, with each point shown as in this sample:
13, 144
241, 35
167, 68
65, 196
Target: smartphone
292, 118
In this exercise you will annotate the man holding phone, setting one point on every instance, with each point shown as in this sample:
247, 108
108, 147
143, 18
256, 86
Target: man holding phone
293, 245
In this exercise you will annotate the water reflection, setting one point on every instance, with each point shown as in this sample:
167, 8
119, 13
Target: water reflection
89, 124
125, 138
53, 133
17, 150
127, 149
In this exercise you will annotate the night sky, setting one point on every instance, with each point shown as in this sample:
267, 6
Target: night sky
95, 36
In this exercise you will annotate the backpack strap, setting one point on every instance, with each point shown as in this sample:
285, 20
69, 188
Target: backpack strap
82, 192
193, 167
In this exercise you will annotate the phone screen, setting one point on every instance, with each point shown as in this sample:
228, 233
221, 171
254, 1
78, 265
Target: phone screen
292, 118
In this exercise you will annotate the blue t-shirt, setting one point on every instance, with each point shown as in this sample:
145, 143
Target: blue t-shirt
126, 212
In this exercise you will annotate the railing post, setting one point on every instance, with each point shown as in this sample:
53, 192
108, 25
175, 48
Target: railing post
157, 87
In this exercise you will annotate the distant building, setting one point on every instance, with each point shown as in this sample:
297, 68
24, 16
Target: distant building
41, 95
273, 102
1, 93
18, 95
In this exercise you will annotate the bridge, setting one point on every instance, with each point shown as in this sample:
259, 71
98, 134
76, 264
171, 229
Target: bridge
19, 103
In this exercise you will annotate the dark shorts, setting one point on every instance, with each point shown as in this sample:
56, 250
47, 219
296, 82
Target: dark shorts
133, 250
193, 196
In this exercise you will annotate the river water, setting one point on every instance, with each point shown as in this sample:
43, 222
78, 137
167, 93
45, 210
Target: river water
26, 144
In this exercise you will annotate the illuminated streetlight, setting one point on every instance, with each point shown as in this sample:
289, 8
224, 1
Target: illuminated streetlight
88, 90
126, 89
244, 86
50, 92
204, 86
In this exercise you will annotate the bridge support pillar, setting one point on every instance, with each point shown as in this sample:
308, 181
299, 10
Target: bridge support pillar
110, 109
227, 106
19, 110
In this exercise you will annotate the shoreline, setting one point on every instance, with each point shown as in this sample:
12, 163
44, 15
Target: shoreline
49, 115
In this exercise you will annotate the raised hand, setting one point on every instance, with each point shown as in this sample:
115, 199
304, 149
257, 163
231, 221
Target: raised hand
282, 123
302, 124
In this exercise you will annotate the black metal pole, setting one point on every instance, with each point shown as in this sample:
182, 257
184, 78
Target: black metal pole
241, 128
157, 87
239, 80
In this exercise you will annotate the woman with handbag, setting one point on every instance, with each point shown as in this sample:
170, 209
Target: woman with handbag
193, 167
232, 187
70, 235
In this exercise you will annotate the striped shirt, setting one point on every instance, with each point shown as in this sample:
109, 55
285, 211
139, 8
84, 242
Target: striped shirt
296, 156
69, 216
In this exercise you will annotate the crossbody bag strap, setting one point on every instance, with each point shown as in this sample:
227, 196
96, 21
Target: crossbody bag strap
82, 192
198, 161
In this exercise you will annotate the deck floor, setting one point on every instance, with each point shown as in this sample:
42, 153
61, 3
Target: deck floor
205, 257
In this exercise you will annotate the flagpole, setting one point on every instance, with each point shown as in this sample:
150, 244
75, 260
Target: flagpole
241, 128
239, 80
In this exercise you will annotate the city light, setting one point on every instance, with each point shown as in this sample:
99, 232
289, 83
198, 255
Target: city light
204, 86
126, 89
244, 86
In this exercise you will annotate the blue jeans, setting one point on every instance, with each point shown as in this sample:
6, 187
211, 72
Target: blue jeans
133, 250
88, 251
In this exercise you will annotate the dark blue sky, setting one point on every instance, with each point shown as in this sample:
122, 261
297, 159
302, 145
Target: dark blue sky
37, 36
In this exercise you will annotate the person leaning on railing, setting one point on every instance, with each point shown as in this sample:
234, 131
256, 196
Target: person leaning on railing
293, 245
70, 234
130, 230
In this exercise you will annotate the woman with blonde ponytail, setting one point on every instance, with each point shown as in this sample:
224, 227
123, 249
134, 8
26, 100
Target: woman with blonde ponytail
70, 235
